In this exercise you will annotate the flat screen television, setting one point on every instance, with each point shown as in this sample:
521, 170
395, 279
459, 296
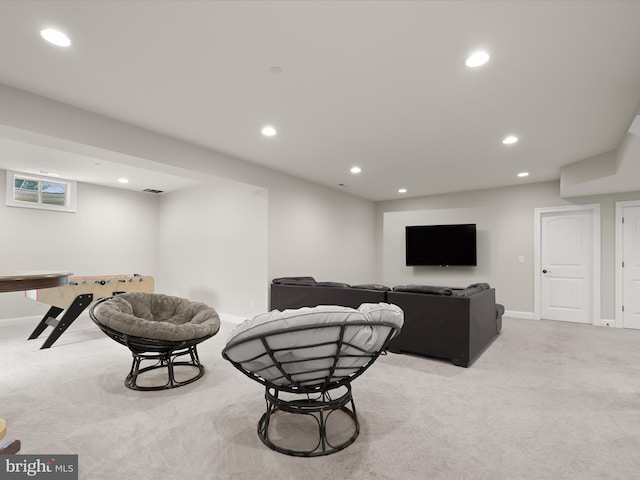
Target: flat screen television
441, 245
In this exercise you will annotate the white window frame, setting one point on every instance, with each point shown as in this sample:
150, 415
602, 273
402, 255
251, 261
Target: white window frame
70, 192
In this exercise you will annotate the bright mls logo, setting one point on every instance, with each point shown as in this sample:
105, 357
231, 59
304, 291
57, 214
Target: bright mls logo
51, 467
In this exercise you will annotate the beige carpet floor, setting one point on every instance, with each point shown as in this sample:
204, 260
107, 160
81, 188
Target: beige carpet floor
548, 400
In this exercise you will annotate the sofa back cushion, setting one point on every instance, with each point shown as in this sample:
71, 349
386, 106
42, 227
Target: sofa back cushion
430, 289
294, 281
333, 284
471, 290
372, 286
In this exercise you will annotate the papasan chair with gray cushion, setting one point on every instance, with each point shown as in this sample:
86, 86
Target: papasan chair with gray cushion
307, 358
160, 329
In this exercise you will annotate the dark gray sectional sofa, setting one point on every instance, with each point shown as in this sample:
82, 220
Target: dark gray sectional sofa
298, 292
456, 324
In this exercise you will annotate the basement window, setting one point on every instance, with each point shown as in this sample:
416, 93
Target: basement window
42, 192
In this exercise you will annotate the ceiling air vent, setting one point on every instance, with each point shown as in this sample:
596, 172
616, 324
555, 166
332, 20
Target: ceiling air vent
151, 190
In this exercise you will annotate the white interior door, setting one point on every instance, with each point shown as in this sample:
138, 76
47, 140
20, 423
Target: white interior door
566, 261
631, 268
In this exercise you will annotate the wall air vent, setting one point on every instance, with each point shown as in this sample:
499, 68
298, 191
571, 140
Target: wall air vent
151, 190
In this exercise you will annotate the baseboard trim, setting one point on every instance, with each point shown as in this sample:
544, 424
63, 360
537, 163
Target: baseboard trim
227, 317
516, 314
30, 318
605, 322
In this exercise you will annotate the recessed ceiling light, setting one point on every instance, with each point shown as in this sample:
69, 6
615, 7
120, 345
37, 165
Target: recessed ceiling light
511, 139
275, 69
402, 190
476, 59
56, 37
356, 169
268, 131
123, 180
523, 174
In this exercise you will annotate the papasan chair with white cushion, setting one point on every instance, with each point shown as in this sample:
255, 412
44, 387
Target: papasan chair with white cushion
160, 329
307, 358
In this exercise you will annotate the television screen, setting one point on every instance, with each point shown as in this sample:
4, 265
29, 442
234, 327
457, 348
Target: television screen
441, 245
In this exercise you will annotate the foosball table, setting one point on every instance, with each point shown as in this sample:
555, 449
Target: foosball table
74, 297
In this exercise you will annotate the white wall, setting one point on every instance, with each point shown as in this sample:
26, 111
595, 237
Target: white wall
320, 232
505, 222
213, 247
113, 232
488, 244
312, 230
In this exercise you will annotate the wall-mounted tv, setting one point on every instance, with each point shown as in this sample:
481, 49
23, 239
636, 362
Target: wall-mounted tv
441, 245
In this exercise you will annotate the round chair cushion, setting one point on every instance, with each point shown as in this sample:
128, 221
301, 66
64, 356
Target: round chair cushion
304, 342
158, 317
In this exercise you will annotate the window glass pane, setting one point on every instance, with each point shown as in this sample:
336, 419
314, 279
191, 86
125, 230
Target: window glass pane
32, 191
26, 190
53, 193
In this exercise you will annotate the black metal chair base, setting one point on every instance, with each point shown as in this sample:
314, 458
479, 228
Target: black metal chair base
164, 360
163, 353
320, 409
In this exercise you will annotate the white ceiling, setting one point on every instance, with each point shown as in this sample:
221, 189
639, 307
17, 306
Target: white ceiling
380, 84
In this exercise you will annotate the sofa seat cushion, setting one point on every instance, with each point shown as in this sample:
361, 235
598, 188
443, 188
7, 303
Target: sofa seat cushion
303, 342
423, 289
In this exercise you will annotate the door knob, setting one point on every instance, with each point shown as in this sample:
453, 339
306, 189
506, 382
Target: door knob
546, 271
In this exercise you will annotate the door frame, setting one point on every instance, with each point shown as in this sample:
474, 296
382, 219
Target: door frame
619, 280
594, 209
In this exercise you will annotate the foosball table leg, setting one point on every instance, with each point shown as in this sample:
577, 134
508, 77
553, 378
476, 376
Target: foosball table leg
44, 323
59, 326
